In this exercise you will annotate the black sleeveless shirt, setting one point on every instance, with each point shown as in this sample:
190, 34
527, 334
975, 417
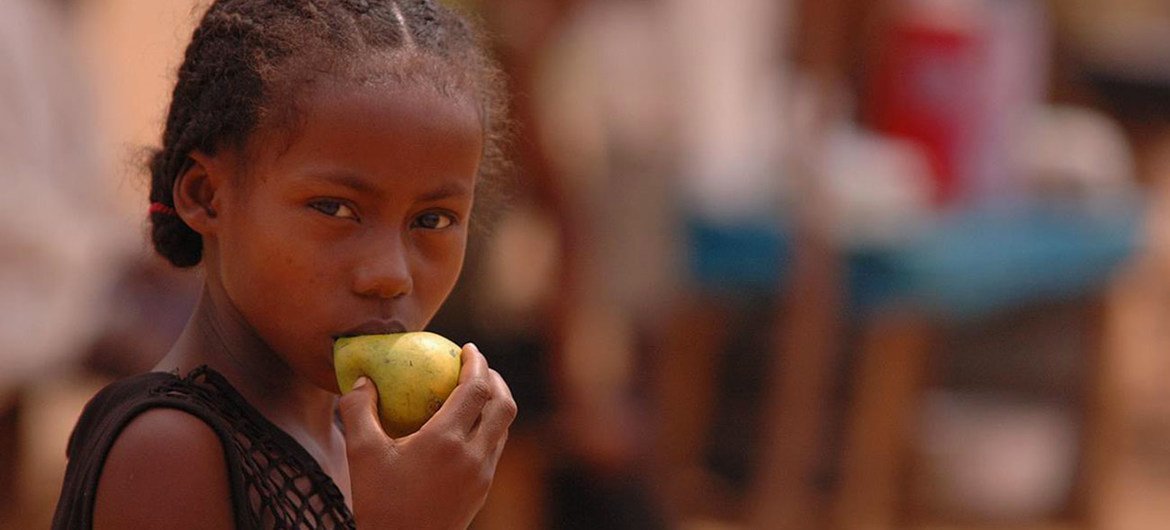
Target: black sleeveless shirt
275, 483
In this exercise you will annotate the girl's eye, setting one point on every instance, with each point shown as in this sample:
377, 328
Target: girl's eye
434, 221
333, 208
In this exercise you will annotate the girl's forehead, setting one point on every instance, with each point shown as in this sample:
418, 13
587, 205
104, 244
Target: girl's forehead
341, 103
370, 128
407, 109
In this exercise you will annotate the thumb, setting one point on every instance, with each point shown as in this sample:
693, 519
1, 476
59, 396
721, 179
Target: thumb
359, 414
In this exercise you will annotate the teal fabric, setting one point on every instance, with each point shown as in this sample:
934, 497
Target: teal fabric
974, 263
741, 257
966, 264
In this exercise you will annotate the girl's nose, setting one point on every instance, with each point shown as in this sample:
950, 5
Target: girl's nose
385, 271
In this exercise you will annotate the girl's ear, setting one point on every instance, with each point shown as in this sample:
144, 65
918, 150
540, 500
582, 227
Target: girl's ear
197, 192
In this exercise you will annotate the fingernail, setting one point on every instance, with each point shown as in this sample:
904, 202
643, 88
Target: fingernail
473, 346
361, 381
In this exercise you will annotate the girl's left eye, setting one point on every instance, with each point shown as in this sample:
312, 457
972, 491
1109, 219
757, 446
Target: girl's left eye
434, 221
333, 208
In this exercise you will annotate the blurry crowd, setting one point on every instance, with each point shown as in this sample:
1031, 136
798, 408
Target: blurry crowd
683, 287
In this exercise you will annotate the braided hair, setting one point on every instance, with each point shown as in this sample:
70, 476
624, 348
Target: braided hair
248, 60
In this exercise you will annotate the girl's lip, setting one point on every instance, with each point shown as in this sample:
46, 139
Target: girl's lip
374, 327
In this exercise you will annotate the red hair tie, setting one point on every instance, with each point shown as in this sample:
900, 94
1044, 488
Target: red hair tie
160, 208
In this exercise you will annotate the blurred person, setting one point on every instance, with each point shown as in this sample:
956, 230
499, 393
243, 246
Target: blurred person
664, 116
531, 294
320, 162
735, 210
58, 234
600, 96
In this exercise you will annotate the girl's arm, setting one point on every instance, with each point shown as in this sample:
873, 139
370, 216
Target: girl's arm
438, 477
166, 470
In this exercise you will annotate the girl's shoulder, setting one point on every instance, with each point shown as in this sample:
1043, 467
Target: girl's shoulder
149, 450
166, 469
158, 444
203, 394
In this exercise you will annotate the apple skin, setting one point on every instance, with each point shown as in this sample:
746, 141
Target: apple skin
414, 373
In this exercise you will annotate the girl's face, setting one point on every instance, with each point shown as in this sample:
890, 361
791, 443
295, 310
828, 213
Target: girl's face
354, 224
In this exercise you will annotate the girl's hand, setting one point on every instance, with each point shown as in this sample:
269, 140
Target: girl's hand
438, 477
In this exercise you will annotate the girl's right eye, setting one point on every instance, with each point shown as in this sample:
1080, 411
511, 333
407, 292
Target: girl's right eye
333, 208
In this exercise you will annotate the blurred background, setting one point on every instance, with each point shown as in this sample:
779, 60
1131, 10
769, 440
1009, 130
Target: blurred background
769, 264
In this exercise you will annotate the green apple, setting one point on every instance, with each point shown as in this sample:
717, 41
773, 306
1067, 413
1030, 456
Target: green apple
413, 372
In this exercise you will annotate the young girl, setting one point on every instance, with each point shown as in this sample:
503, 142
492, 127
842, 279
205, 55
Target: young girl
320, 161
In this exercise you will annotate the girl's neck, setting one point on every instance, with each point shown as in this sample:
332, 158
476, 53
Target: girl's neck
219, 337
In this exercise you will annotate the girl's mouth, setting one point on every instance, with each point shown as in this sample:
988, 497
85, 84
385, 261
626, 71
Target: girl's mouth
373, 327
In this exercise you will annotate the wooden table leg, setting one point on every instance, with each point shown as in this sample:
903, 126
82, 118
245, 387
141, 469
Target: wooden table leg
1099, 435
786, 494
893, 361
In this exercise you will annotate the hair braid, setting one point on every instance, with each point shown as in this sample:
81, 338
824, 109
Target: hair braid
213, 103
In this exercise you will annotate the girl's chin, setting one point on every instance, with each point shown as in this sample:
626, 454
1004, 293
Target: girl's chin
318, 373
326, 378
326, 382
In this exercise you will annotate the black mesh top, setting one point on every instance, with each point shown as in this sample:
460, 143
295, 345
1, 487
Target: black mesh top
275, 483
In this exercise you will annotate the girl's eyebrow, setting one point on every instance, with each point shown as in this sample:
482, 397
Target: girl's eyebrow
359, 184
345, 179
445, 191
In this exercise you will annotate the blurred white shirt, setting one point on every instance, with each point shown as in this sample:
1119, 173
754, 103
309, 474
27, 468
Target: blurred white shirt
56, 232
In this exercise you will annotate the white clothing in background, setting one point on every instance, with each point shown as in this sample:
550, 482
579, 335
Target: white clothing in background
730, 78
57, 235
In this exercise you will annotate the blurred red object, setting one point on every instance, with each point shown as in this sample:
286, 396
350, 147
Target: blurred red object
962, 78
924, 88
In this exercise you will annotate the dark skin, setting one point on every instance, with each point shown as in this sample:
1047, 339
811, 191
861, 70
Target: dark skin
357, 223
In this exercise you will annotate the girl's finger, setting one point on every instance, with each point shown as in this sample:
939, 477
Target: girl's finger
474, 365
359, 414
463, 407
498, 413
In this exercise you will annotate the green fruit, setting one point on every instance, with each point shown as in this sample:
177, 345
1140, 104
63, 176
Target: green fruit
413, 372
